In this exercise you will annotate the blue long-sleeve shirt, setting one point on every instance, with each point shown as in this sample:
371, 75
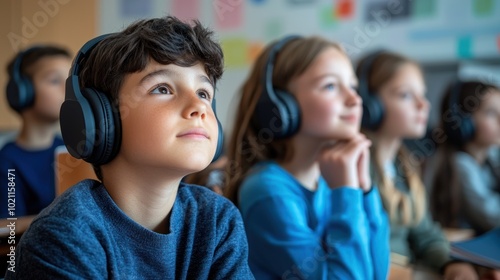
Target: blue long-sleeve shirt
34, 178
84, 235
294, 233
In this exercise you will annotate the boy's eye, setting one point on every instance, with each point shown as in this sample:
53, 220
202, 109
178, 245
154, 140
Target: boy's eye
204, 94
161, 89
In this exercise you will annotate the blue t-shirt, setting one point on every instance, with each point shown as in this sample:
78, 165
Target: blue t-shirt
84, 235
294, 233
34, 178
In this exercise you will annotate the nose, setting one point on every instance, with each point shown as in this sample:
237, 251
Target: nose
194, 107
423, 103
352, 97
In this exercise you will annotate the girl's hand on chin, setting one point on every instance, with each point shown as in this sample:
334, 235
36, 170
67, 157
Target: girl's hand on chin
346, 163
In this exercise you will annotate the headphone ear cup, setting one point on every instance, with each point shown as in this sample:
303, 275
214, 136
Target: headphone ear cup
28, 96
467, 129
20, 94
77, 126
289, 114
373, 112
13, 95
106, 144
220, 141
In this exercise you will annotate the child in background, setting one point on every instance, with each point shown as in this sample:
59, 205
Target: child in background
466, 191
35, 91
395, 108
298, 168
139, 107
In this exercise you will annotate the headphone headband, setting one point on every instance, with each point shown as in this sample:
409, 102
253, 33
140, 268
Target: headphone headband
454, 101
373, 109
277, 111
19, 89
464, 132
74, 72
268, 74
364, 73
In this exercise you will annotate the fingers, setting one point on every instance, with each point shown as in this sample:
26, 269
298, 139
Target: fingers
342, 164
347, 149
364, 170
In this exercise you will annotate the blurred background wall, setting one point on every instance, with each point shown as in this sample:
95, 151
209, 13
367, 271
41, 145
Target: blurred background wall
69, 23
448, 37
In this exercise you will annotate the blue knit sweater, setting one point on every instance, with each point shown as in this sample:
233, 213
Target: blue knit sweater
84, 235
294, 233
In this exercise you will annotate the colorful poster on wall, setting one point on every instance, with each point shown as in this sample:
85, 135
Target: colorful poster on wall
186, 9
345, 9
395, 10
228, 13
136, 9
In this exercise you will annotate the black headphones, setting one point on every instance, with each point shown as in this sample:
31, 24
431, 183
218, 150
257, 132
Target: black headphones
463, 133
373, 109
276, 110
90, 124
20, 90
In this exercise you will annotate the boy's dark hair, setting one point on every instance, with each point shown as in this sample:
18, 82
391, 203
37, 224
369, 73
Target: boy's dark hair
33, 56
165, 40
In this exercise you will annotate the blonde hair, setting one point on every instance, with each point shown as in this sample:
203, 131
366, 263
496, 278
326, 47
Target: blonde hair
403, 208
249, 145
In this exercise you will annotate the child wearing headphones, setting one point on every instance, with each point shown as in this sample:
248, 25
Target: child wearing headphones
139, 106
395, 108
298, 168
466, 190
35, 90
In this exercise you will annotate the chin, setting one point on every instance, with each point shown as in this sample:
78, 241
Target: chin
347, 134
199, 162
414, 135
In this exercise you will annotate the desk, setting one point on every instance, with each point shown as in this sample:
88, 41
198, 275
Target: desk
22, 224
457, 234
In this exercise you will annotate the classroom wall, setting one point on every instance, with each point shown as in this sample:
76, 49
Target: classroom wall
69, 23
441, 34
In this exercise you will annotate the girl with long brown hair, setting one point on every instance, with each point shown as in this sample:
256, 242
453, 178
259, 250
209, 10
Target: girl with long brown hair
466, 190
298, 168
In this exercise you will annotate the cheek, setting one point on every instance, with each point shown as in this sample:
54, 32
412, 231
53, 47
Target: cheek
397, 117
48, 101
317, 115
143, 130
488, 130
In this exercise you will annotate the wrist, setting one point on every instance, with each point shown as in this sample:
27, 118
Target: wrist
367, 190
